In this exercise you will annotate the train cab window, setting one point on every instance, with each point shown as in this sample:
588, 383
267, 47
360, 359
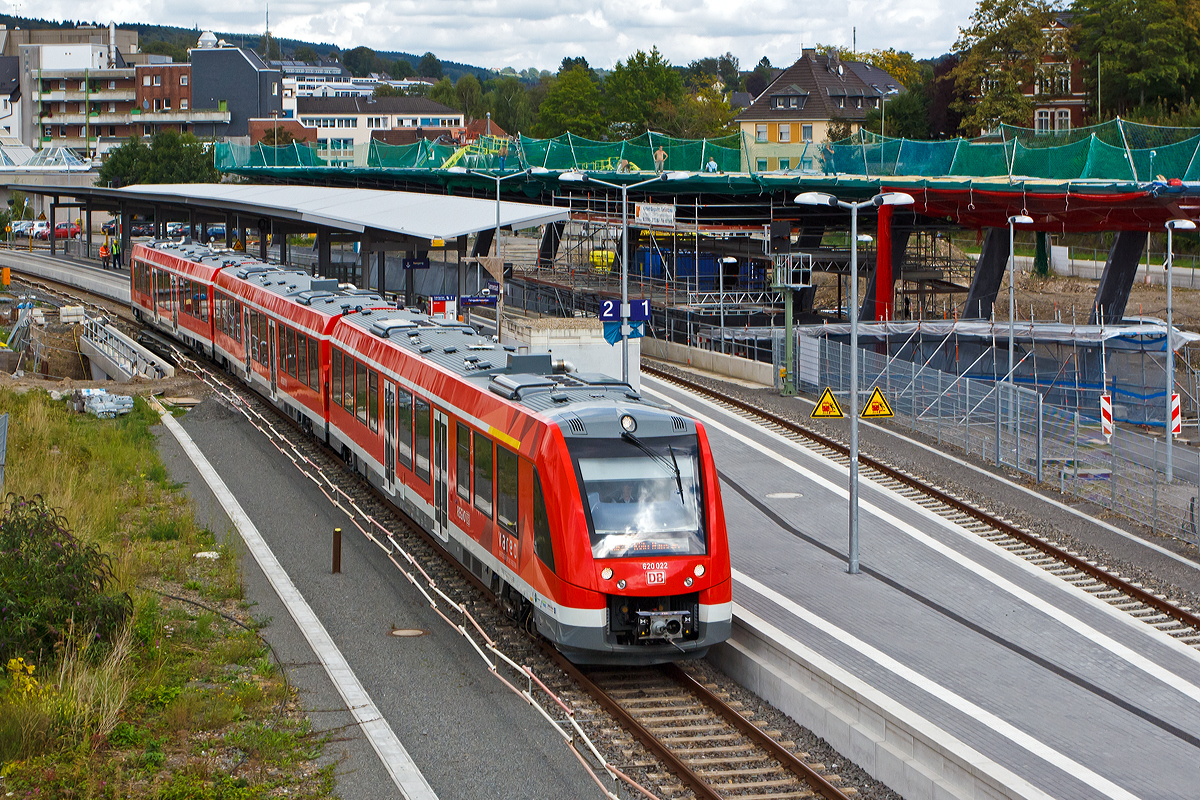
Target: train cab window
360, 392
421, 424
642, 497
483, 474
542, 543
314, 365
507, 489
404, 431
462, 467
373, 400
336, 389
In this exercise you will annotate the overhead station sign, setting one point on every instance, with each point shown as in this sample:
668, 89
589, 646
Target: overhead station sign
659, 215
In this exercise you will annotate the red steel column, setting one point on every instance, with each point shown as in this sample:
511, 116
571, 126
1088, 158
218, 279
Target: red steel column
883, 266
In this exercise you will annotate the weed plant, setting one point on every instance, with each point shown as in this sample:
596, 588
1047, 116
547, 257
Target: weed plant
129, 694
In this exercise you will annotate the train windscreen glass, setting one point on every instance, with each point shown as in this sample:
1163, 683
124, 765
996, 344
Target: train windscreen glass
643, 499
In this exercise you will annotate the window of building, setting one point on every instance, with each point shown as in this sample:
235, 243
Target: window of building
462, 465
507, 489
1043, 120
1062, 120
147, 130
806, 133
421, 426
157, 104
183, 103
112, 108
275, 88
785, 163
166, 104
83, 86
183, 80
483, 474
760, 133
145, 80
806, 164
63, 131
158, 80
760, 164
112, 130
49, 131
112, 85
785, 132
62, 85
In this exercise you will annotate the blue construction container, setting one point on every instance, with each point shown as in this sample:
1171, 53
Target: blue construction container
709, 276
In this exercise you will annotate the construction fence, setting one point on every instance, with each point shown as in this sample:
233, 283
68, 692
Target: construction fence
1014, 427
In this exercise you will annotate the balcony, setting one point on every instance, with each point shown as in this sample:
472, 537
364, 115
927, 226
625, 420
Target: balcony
176, 115
113, 95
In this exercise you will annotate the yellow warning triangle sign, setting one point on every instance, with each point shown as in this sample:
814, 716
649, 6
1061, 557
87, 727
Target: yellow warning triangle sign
876, 406
827, 407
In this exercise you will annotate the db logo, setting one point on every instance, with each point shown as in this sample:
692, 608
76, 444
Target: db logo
656, 577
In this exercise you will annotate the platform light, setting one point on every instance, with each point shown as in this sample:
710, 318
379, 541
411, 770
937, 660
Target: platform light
881, 199
606, 573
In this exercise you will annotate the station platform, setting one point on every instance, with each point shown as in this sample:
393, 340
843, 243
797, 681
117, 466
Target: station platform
972, 672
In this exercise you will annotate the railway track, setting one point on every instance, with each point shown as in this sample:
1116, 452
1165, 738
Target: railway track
1178, 621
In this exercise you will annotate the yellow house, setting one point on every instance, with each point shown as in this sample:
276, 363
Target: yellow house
785, 126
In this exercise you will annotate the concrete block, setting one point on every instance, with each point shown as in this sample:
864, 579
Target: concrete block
862, 747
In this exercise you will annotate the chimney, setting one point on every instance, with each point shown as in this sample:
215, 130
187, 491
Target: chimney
112, 45
808, 52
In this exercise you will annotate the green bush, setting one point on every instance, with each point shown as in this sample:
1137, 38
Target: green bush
52, 583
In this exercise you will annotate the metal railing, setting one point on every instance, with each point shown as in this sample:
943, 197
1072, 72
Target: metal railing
1013, 426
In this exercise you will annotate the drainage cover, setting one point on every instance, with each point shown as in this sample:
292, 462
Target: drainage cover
407, 632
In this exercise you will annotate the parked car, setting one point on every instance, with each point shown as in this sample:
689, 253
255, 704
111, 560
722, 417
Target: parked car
176, 229
109, 227
22, 227
216, 233
63, 230
141, 229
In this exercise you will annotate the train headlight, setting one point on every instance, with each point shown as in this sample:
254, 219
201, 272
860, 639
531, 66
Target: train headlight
699, 570
628, 424
606, 573
621, 584
687, 581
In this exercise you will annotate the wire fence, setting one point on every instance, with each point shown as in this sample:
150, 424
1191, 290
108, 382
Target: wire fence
1014, 427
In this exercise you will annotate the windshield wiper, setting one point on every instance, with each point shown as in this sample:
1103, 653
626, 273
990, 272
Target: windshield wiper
671, 466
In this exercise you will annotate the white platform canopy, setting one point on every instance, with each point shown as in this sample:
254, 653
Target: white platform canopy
421, 216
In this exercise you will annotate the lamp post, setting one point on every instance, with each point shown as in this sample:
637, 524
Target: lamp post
884, 199
583, 177
525, 173
1017, 219
1172, 225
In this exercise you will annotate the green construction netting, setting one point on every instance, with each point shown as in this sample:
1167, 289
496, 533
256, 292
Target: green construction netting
1113, 151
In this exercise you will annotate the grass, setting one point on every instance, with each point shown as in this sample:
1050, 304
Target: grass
183, 704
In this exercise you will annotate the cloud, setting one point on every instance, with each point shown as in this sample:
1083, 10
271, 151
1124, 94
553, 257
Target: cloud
524, 33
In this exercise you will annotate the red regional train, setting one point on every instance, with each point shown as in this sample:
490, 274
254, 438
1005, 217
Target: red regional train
591, 512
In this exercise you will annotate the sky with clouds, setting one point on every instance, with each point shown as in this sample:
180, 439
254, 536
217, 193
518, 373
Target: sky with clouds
525, 33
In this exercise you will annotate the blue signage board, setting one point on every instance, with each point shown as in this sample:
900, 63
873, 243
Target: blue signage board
610, 311
477, 300
416, 263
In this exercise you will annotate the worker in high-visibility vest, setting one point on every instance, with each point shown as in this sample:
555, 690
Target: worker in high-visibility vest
104, 255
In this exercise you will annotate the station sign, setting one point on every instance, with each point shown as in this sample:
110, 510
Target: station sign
654, 214
416, 263
477, 300
639, 311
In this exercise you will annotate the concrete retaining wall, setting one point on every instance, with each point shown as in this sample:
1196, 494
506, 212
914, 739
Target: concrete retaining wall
733, 366
70, 275
892, 743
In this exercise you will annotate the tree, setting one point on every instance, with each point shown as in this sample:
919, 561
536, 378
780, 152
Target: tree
1147, 50
177, 53
362, 61
839, 128
569, 64
899, 64
758, 81
572, 105
943, 119
730, 72
643, 91
306, 54
705, 115
277, 137
171, 158
469, 96
402, 69
906, 115
387, 90
429, 67
509, 101
999, 55
443, 92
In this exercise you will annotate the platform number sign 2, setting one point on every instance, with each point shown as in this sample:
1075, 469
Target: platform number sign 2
610, 311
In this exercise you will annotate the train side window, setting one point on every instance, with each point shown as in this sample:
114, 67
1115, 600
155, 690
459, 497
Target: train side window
373, 400
254, 336
336, 390
314, 365
463, 466
483, 474
404, 428
542, 542
290, 359
360, 392
507, 489
237, 320
302, 358
346, 399
203, 295
421, 420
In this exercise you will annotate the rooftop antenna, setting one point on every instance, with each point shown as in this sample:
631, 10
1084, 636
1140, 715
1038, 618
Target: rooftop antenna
854, 38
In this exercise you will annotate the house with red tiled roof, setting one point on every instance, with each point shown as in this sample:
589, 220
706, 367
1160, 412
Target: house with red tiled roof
801, 103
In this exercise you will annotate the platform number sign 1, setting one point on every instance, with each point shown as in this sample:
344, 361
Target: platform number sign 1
1106, 425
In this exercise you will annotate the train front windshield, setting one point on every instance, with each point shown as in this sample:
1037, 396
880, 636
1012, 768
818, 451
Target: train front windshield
643, 496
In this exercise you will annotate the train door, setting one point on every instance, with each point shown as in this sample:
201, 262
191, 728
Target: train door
246, 338
389, 433
174, 301
441, 475
155, 293
271, 348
